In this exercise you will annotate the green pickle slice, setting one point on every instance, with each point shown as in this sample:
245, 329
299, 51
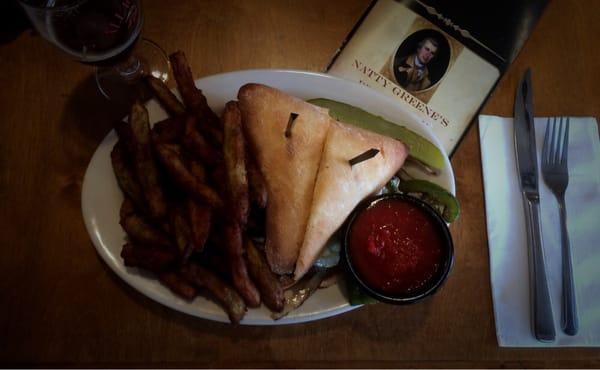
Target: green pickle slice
420, 148
434, 195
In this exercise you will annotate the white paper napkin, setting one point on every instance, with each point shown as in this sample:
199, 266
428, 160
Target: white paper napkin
507, 236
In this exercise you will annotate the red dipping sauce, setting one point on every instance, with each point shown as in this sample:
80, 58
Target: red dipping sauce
396, 247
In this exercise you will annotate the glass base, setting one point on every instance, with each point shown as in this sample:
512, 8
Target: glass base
124, 82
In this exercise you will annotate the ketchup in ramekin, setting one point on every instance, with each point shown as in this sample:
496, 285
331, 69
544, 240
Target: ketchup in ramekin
398, 248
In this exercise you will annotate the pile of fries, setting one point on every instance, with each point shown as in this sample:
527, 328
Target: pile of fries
194, 199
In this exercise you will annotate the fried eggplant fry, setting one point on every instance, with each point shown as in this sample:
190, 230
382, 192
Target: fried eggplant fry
182, 176
200, 218
169, 130
196, 144
178, 284
182, 232
218, 263
239, 271
235, 163
213, 134
271, 291
123, 130
153, 259
165, 96
143, 233
193, 98
256, 183
197, 170
126, 178
145, 167
230, 300
219, 176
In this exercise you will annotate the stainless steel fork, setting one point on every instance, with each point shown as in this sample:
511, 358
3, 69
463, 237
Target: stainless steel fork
556, 176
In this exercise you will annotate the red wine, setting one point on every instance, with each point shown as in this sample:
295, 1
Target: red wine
94, 30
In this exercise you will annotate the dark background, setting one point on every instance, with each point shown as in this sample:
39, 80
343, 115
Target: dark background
13, 20
503, 26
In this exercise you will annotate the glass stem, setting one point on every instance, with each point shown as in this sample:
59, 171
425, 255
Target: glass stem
131, 70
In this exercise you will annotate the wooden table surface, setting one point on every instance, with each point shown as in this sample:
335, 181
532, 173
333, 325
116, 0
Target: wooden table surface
60, 305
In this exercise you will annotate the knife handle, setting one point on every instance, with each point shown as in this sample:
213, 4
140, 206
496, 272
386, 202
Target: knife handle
543, 320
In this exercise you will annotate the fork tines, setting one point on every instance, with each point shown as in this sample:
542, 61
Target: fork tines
556, 142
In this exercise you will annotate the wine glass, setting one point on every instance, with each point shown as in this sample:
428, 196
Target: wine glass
104, 33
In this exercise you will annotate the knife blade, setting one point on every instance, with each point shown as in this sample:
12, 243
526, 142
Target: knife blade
525, 148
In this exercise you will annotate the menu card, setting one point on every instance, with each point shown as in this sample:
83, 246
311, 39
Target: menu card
440, 59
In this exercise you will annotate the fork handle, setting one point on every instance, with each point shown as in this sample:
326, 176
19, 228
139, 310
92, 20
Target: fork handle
570, 321
543, 320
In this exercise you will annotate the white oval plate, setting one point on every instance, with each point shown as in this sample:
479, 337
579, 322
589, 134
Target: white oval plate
101, 197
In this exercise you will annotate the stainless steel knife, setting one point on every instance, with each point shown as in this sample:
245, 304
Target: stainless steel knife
542, 318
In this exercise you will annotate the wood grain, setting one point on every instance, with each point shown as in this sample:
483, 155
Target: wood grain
62, 306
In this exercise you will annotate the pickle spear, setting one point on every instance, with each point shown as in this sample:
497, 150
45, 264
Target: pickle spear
420, 148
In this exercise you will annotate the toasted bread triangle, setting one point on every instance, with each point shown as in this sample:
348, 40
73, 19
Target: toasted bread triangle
340, 187
289, 164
